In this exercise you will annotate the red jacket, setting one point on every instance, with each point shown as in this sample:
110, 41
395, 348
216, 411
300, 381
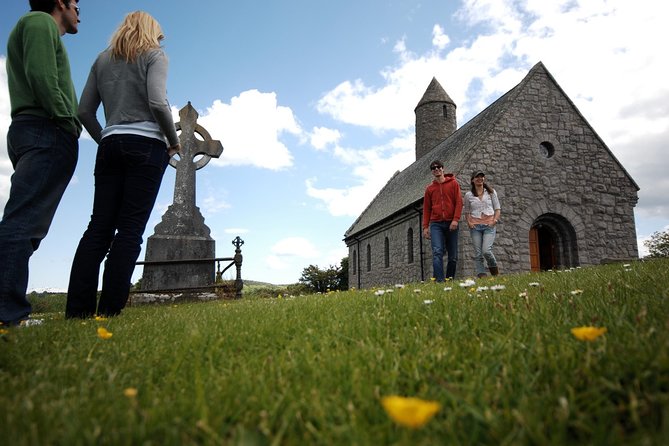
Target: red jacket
442, 201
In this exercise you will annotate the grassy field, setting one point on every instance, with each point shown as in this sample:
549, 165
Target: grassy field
498, 356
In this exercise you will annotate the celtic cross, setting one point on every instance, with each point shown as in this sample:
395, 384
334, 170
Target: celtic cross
191, 147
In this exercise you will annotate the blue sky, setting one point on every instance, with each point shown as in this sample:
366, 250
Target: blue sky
313, 101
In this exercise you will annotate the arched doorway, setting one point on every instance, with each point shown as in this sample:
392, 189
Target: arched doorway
552, 242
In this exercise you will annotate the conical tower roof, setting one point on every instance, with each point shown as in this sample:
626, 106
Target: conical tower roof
435, 93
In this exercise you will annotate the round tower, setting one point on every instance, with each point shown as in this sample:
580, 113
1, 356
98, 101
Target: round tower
435, 118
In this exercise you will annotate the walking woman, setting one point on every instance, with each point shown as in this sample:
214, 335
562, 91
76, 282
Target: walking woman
482, 211
129, 79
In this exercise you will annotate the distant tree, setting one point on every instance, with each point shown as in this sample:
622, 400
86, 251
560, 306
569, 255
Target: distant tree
658, 244
334, 278
343, 275
321, 281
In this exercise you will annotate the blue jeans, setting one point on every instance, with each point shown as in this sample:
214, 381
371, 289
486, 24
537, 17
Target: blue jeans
483, 237
442, 238
128, 173
44, 157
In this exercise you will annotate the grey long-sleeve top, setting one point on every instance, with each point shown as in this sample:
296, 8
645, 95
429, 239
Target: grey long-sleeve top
129, 91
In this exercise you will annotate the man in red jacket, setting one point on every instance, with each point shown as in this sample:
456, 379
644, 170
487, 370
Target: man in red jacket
442, 208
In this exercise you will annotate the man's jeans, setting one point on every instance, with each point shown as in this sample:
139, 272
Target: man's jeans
128, 173
443, 238
483, 237
44, 157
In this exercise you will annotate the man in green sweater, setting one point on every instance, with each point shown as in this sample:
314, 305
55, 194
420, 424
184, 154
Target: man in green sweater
42, 142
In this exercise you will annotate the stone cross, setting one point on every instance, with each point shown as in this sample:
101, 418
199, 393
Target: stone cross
191, 147
180, 254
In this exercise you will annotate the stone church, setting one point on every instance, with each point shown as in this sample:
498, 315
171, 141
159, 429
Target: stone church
566, 200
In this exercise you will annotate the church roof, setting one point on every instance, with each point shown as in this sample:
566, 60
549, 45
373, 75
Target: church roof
406, 188
435, 93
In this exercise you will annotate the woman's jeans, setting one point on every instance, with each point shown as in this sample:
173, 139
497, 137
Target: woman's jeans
44, 157
483, 237
128, 173
443, 239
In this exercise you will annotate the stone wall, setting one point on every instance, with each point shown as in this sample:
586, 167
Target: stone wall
403, 253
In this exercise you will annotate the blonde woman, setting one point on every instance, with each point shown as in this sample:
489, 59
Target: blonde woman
129, 79
482, 211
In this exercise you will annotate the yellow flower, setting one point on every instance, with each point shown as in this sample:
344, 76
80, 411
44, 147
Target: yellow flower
100, 318
3, 331
130, 392
410, 412
103, 333
587, 333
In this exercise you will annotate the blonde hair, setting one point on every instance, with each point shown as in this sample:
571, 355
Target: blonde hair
139, 32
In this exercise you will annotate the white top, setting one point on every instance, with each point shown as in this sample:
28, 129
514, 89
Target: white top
143, 128
479, 208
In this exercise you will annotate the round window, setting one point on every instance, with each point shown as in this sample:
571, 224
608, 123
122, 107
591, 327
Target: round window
546, 149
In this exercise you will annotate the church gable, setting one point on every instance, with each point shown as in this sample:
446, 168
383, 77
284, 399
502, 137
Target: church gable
542, 133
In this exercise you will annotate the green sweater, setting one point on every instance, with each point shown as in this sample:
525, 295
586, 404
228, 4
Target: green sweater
38, 72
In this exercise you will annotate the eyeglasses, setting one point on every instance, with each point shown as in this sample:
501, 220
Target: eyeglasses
76, 9
436, 167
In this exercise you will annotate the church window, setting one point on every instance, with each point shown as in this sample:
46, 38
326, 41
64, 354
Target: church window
410, 245
386, 252
369, 257
546, 149
445, 111
355, 262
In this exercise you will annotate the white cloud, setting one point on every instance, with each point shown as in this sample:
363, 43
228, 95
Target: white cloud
250, 128
289, 256
501, 15
213, 204
373, 167
321, 137
294, 247
333, 257
439, 39
616, 80
353, 103
643, 251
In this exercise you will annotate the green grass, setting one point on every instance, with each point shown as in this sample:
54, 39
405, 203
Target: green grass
312, 370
